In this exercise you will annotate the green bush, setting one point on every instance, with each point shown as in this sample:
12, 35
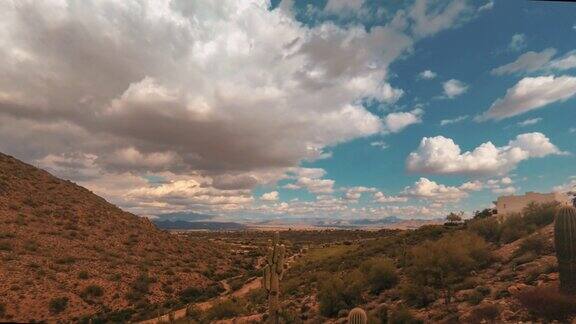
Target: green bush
444, 263
539, 215
380, 274
340, 293
190, 294
417, 295
58, 305
488, 228
536, 244
512, 228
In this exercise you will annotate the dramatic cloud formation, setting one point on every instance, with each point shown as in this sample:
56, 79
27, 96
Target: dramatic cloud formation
453, 88
164, 106
196, 87
440, 155
529, 94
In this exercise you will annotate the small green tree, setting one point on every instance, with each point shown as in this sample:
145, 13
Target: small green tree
454, 218
338, 293
380, 274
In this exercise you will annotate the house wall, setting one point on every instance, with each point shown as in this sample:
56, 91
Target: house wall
515, 204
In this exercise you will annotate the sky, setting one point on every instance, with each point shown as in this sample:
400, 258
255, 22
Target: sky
254, 109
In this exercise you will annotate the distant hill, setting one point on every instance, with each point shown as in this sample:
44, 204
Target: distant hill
378, 221
183, 216
184, 225
66, 253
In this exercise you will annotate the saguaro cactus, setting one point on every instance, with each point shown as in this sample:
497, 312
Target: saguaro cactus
273, 272
565, 243
357, 316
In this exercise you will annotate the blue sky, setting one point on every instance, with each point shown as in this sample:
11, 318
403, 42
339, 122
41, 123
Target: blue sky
257, 109
468, 53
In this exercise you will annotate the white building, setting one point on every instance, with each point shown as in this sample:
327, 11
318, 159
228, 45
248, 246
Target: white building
515, 204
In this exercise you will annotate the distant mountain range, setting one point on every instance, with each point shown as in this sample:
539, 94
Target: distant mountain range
183, 216
196, 225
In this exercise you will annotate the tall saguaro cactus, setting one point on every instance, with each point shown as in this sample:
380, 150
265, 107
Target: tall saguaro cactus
273, 272
565, 243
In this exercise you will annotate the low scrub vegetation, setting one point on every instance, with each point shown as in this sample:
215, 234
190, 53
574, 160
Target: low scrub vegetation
547, 302
58, 305
513, 227
444, 263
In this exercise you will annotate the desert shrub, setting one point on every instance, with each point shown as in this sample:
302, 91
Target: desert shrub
446, 262
65, 260
92, 291
475, 298
139, 288
486, 213
535, 244
190, 294
58, 305
417, 295
512, 228
402, 315
380, 274
5, 246
547, 302
484, 313
340, 293
488, 228
224, 309
192, 312
291, 286
538, 215
83, 275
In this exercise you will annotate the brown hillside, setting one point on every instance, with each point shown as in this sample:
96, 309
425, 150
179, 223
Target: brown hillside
59, 241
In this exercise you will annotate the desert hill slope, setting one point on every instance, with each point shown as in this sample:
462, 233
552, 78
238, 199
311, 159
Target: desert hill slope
67, 254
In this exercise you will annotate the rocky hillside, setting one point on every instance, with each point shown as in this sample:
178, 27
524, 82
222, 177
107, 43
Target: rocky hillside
67, 254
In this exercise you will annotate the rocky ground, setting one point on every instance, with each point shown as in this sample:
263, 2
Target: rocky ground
67, 254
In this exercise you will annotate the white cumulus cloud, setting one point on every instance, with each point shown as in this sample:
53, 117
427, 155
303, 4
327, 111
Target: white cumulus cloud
427, 75
453, 88
440, 155
531, 93
270, 196
430, 190
396, 122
